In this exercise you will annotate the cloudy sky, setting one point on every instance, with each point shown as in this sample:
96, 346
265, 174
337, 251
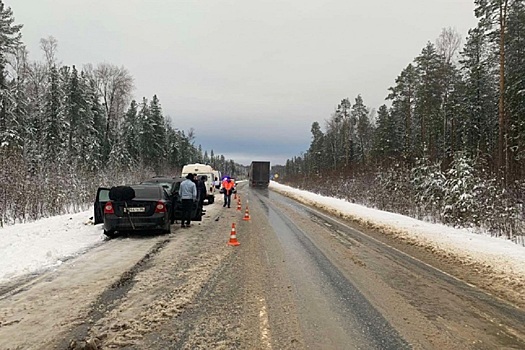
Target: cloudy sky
250, 76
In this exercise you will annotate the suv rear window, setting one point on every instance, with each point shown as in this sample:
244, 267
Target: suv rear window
103, 196
147, 192
166, 185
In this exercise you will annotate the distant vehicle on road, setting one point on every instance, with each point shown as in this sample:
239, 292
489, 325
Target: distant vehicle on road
259, 174
202, 169
142, 207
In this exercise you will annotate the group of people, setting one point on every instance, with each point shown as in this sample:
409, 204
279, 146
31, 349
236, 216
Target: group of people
193, 189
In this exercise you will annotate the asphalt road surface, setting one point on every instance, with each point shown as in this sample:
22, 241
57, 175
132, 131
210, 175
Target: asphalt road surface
300, 279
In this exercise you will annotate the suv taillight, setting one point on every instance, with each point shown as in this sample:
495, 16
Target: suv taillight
160, 207
108, 208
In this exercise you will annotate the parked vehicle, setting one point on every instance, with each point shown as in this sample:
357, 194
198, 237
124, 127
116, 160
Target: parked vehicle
259, 174
217, 178
169, 183
172, 185
142, 207
202, 169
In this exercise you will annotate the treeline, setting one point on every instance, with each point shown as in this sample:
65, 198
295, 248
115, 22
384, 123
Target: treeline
451, 145
64, 132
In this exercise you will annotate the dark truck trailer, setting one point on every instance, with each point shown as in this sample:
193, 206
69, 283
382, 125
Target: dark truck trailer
259, 174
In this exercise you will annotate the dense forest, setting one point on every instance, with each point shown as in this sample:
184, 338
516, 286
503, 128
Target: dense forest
64, 131
449, 144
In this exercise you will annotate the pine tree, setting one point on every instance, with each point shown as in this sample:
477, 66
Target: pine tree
403, 104
461, 190
340, 136
360, 114
146, 134
173, 152
428, 112
387, 136
54, 125
74, 109
97, 121
16, 116
346, 134
37, 79
454, 112
158, 138
316, 150
479, 129
213, 160
9, 40
494, 17
515, 87
428, 182
200, 156
131, 132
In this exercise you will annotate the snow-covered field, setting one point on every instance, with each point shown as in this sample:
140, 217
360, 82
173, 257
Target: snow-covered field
28, 248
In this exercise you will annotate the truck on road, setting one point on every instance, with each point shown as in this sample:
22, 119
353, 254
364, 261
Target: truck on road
259, 174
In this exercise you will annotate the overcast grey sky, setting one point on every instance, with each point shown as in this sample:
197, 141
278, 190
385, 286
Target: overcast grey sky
250, 76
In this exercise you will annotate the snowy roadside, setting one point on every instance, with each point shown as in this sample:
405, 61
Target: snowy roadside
496, 254
31, 247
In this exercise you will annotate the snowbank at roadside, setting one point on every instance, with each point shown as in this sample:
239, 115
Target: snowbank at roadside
28, 248
495, 253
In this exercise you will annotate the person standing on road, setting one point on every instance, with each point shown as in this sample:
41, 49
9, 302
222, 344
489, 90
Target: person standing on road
188, 195
227, 187
201, 187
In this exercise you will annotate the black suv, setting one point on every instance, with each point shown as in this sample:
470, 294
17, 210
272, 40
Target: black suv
172, 185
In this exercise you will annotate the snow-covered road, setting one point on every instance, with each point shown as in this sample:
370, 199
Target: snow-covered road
31, 247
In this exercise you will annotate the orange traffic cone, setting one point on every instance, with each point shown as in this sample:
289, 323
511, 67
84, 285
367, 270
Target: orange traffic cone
233, 237
246, 215
235, 195
239, 206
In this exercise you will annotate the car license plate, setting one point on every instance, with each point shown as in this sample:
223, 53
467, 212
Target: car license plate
135, 210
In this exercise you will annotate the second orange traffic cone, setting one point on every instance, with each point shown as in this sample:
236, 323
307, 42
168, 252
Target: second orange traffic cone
233, 237
246, 215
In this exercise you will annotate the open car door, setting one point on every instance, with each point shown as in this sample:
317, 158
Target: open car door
100, 201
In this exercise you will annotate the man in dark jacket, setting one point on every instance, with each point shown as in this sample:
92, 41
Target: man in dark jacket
201, 187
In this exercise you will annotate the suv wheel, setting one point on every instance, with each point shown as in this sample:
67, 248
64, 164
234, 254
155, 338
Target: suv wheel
110, 233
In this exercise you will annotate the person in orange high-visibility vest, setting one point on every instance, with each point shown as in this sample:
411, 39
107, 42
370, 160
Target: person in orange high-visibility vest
228, 187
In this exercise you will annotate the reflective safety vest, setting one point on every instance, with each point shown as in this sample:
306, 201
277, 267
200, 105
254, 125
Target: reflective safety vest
228, 186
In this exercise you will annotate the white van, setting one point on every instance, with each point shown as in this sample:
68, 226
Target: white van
202, 169
218, 178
